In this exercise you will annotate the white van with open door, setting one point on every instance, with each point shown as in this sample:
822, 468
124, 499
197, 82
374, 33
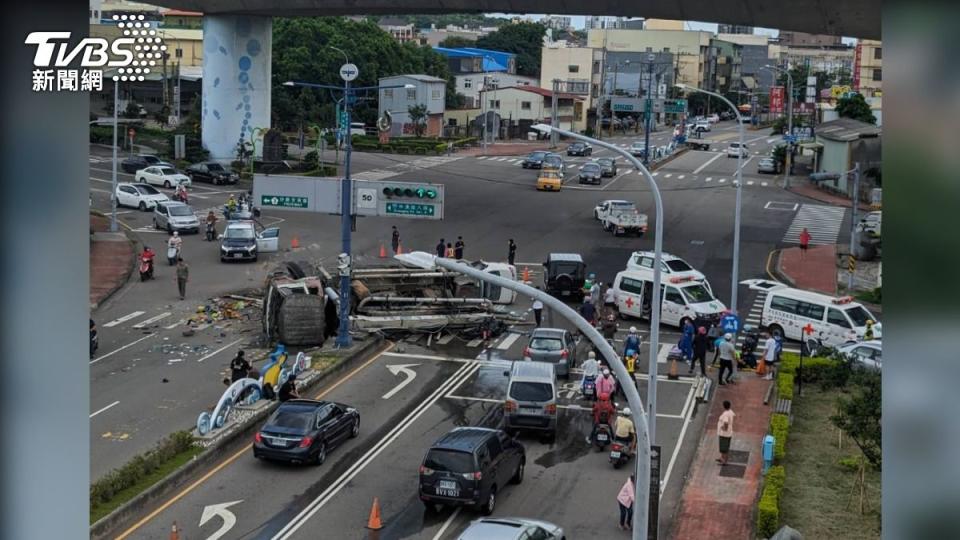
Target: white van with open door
682, 298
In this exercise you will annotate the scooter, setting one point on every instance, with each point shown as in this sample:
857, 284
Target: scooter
602, 437
173, 253
619, 454
589, 389
211, 232
146, 268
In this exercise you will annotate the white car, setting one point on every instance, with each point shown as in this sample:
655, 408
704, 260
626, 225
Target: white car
735, 150
871, 223
702, 125
167, 177
671, 266
713, 118
141, 196
511, 528
865, 353
638, 149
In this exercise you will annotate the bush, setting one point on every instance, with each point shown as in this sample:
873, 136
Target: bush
140, 466
768, 509
784, 385
779, 427
323, 171
833, 372
103, 135
873, 297
459, 143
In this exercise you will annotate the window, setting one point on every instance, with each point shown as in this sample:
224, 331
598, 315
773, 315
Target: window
787, 305
179, 52
646, 262
388, 93
525, 105
859, 315
483, 457
452, 122
468, 83
573, 68
494, 103
436, 93
649, 49
631, 286
325, 414
493, 447
697, 294
877, 75
811, 311
673, 295
596, 66
449, 461
546, 344
412, 94
835, 317
666, 49
878, 53
531, 391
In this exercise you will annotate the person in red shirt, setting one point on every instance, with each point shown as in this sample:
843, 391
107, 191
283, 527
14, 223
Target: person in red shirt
804, 241
603, 413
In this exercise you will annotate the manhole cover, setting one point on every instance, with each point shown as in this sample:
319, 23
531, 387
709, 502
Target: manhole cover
732, 471
738, 456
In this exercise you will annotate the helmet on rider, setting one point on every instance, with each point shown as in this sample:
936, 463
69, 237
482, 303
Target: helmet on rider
176, 234
591, 355
606, 371
626, 411
633, 329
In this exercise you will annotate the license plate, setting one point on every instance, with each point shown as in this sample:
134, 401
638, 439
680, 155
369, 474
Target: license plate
531, 411
615, 455
278, 442
601, 437
237, 255
447, 484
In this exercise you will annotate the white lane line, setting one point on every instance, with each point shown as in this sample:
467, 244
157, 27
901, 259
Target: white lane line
704, 166
446, 524
764, 184
475, 342
432, 357
681, 177
482, 157
174, 325
676, 449
105, 408
628, 171
668, 175
314, 506
619, 176
111, 353
749, 182
124, 319
722, 180
772, 140
709, 179
220, 350
508, 341
655, 174
153, 320
744, 164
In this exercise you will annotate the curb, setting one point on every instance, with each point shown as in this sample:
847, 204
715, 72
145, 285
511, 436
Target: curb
110, 525
777, 273
127, 275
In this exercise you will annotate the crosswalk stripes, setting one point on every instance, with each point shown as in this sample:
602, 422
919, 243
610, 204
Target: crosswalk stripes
709, 179
375, 174
481, 157
152, 320
681, 177
668, 175
749, 182
821, 221
722, 180
764, 184
123, 319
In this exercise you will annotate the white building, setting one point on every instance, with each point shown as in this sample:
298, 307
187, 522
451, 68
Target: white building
427, 90
470, 84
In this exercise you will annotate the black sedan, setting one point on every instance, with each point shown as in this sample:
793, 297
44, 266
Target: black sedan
304, 430
141, 161
590, 174
608, 166
579, 149
534, 160
211, 172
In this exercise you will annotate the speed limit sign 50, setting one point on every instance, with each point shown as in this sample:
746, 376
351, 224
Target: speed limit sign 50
366, 198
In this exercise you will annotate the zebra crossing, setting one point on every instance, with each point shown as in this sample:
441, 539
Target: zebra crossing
152, 321
427, 162
821, 221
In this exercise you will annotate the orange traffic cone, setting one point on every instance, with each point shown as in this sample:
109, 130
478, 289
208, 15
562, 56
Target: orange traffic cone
374, 523
174, 532
383, 251
672, 375
399, 248
526, 274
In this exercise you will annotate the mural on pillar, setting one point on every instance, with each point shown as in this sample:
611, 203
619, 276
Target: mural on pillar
237, 100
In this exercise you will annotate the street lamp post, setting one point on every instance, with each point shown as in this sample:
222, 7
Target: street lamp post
736, 225
348, 72
640, 526
789, 163
113, 173
649, 110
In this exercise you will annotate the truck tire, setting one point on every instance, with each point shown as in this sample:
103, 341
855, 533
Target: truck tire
300, 320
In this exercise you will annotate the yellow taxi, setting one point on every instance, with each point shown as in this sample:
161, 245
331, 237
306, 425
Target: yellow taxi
549, 180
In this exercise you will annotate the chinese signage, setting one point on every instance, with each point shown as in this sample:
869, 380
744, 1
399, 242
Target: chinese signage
856, 67
132, 55
409, 209
776, 99
284, 201
676, 106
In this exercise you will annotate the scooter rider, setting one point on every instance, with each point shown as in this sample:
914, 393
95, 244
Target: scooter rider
591, 369
603, 413
211, 224
230, 206
181, 193
606, 384
632, 341
175, 241
624, 432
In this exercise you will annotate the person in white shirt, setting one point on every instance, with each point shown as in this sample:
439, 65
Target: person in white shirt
538, 312
610, 298
769, 356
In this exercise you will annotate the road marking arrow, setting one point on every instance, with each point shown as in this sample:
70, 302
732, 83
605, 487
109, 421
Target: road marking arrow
406, 370
229, 520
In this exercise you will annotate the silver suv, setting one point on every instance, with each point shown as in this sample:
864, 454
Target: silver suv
531, 400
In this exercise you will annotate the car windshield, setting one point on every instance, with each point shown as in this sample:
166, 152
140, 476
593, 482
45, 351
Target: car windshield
146, 190
678, 265
214, 167
734, 145
537, 155
622, 207
299, 419
576, 145
449, 461
553, 160
239, 233
151, 159
606, 162
546, 344
180, 211
167, 170
697, 293
531, 391
590, 167
859, 315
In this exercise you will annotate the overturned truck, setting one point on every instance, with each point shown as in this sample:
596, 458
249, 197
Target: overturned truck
297, 306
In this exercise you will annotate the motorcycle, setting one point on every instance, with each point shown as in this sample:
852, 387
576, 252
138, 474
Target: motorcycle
146, 267
602, 437
589, 389
181, 196
748, 350
173, 253
619, 454
211, 232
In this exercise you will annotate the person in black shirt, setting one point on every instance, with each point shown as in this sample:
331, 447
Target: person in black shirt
239, 367
441, 248
458, 248
288, 390
512, 252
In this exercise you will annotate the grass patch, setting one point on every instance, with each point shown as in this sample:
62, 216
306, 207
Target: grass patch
98, 511
816, 497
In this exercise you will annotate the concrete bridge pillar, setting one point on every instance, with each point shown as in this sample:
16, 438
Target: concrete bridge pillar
237, 50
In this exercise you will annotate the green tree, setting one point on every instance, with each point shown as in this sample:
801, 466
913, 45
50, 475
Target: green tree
455, 42
857, 108
859, 415
132, 110
418, 117
524, 39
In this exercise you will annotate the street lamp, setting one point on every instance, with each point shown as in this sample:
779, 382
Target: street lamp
786, 177
113, 172
646, 426
736, 225
343, 334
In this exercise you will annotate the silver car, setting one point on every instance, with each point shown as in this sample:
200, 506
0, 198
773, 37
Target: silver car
555, 346
509, 528
767, 165
175, 216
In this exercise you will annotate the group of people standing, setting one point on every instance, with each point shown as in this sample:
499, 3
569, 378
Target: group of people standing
451, 250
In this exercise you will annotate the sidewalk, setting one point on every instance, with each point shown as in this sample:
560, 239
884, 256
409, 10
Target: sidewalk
815, 270
111, 260
719, 502
805, 188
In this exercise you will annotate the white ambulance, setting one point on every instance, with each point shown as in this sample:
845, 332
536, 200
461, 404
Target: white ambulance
670, 266
834, 320
682, 298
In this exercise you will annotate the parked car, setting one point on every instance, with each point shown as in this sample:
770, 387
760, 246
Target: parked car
638, 149
212, 172
167, 177
175, 216
240, 241
608, 166
304, 430
736, 150
767, 165
713, 118
136, 162
591, 173
866, 354
579, 149
554, 346
142, 196
871, 223
534, 160
701, 126
511, 528
469, 466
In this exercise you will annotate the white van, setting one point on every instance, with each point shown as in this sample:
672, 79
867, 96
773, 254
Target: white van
835, 320
670, 266
682, 298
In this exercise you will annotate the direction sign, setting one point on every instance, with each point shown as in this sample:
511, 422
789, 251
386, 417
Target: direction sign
730, 323
410, 209
284, 201
675, 106
349, 72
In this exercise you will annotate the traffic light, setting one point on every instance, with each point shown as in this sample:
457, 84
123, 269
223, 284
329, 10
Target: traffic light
403, 191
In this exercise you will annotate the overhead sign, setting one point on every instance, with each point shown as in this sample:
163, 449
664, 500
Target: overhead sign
626, 104
284, 201
349, 72
675, 106
409, 209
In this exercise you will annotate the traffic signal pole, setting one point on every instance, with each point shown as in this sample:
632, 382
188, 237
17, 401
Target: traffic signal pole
343, 334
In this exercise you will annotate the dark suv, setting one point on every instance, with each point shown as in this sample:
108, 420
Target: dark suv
468, 466
212, 172
564, 274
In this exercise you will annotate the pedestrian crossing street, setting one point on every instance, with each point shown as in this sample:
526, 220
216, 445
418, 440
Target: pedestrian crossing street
821, 221
427, 162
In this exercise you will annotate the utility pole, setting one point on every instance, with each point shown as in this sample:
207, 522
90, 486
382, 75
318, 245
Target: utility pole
483, 112
554, 114
603, 88
648, 109
854, 208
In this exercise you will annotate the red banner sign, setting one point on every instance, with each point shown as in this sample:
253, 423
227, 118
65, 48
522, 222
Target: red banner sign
776, 99
856, 67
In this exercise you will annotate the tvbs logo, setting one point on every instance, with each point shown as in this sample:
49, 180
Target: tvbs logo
131, 56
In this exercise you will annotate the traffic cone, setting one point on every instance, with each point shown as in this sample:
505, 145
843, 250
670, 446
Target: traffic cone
526, 275
295, 242
672, 375
383, 251
374, 523
174, 532
399, 248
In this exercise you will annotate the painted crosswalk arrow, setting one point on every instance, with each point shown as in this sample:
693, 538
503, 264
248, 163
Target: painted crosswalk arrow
229, 520
407, 371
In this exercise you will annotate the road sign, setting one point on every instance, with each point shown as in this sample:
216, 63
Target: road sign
730, 323
349, 72
409, 209
284, 201
675, 106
